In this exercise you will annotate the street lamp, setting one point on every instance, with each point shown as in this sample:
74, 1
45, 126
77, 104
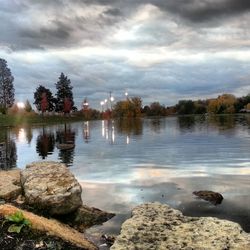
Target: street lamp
102, 103
106, 102
85, 104
111, 100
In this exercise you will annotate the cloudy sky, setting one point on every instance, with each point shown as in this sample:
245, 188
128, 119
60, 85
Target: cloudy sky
161, 50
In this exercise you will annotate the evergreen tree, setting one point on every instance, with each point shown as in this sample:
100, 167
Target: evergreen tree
7, 91
64, 92
39, 94
27, 107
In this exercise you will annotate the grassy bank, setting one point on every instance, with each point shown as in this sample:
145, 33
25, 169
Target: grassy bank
35, 119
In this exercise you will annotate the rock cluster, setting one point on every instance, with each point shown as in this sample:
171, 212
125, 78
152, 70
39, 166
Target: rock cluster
157, 226
50, 187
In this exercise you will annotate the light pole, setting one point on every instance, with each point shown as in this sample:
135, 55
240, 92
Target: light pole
106, 102
85, 107
102, 103
111, 100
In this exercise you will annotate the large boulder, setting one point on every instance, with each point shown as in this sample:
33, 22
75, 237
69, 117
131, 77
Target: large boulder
51, 186
10, 186
157, 226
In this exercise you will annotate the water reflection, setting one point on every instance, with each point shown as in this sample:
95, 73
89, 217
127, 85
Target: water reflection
157, 125
108, 130
127, 162
222, 122
86, 132
45, 143
28, 134
186, 123
8, 152
65, 139
129, 126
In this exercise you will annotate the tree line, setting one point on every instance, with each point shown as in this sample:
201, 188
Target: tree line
223, 104
63, 101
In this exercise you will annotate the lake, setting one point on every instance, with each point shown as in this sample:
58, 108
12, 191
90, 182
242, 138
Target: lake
121, 164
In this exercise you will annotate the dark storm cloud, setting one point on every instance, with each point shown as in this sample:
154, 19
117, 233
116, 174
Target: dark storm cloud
194, 10
60, 31
48, 24
156, 49
200, 11
113, 12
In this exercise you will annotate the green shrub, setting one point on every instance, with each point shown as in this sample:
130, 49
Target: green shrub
18, 220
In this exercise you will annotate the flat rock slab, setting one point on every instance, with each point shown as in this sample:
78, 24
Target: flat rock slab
51, 227
51, 186
10, 186
157, 226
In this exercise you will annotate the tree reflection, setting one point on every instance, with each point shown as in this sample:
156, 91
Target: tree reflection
186, 123
8, 152
157, 124
29, 134
129, 126
223, 121
65, 139
45, 143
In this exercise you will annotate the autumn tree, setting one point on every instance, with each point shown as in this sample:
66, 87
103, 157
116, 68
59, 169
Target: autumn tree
7, 92
128, 108
67, 105
43, 97
44, 102
224, 104
64, 90
155, 109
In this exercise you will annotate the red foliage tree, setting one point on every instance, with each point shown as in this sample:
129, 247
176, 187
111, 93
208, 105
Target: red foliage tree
44, 102
67, 105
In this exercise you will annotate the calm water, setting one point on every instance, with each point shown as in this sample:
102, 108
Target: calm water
122, 164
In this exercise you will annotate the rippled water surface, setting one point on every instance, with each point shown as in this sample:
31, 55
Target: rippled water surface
124, 163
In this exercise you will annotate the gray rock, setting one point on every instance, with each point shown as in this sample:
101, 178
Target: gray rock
10, 186
85, 217
157, 226
51, 186
213, 197
65, 146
